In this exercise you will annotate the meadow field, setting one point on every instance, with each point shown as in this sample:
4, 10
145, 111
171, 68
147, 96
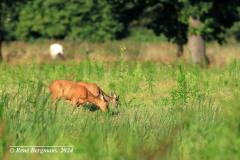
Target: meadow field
169, 109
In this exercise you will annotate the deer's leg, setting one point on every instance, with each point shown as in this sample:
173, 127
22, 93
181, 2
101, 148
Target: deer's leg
81, 102
77, 103
74, 102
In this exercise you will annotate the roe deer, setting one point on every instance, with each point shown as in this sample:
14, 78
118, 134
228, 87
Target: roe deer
76, 94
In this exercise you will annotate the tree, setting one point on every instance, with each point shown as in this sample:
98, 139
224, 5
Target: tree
207, 20
192, 21
84, 19
164, 19
234, 31
8, 16
181, 21
127, 12
196, 43
161, 16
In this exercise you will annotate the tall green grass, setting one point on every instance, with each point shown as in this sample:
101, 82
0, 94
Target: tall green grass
166, 112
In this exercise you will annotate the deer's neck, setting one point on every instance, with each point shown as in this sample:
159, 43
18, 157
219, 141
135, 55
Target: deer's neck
94, 100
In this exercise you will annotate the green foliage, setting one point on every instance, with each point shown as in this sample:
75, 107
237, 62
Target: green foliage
215, 17
203, 29
194, 8
102, 20
8, 18
145, 35
86, 20
234, 31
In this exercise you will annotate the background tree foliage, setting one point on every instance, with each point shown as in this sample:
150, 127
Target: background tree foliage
85, 19
99, 20
9, 11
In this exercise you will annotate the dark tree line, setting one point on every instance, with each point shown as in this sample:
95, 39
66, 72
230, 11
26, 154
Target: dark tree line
181, 21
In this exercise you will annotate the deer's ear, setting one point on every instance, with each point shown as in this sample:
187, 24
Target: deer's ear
101, 97
115, 95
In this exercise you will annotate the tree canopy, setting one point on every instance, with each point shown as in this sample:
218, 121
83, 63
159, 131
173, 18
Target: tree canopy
101, 20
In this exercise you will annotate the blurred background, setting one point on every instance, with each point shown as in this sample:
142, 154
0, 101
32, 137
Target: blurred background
145, 51
159, 30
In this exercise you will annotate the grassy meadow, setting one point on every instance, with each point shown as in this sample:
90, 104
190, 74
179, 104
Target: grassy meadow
169, 110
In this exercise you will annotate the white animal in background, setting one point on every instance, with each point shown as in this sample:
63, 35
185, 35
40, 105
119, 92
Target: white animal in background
56, 51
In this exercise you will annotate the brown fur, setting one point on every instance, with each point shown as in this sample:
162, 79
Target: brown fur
76, 94
98, 92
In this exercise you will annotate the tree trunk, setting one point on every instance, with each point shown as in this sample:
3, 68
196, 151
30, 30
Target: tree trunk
180, 41
196, 44
179, 50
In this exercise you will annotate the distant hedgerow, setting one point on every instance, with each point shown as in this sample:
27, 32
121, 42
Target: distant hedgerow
85, 19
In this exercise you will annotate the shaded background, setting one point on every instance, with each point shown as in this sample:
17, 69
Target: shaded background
175, 21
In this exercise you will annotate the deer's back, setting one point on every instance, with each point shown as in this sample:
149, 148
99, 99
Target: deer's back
68, 90
91, 87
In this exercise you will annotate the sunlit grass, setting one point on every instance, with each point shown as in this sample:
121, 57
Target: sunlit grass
166, 111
